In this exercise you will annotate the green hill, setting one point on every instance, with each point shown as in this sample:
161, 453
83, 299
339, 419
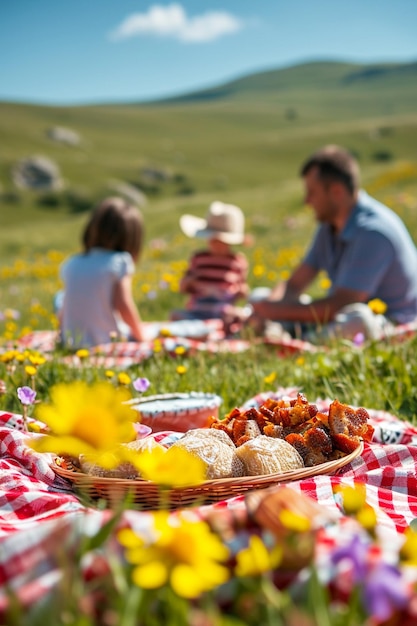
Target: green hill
242, 142
329, 76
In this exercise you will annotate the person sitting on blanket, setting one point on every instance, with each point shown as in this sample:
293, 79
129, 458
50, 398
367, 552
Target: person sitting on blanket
363, 246
216, 275
97, 302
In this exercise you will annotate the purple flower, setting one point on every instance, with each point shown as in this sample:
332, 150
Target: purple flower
359, 339
141, 384
381, 585
26, 395
383, 591
356, 551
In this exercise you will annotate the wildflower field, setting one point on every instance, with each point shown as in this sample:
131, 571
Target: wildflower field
381, 375
195, 568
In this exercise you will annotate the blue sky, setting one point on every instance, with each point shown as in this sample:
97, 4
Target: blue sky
83, 51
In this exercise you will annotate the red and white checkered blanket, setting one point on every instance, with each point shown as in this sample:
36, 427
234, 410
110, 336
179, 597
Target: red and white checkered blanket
37, 506
162, 337
201, 336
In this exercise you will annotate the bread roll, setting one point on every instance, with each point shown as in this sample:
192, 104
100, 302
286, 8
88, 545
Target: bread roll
144, 444
125, 469
266, 455
211, 434
215, 449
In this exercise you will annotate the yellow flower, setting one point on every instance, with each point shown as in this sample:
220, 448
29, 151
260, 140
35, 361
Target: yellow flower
180, 350
25, 330
82, 353
257, 559
34, 427
30, 370
284, 275
111, 458
9, 355
295, 522
353, 498
325, 283
84, 418
157, 346
36, 359
183, 552
54, 321
124, 379
174, 467
181, 369
270, 378
258, 270
377, 306
109, 373
367, 517
408, 551
9, 314
165, 332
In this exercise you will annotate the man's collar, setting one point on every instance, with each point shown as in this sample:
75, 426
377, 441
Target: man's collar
351, 225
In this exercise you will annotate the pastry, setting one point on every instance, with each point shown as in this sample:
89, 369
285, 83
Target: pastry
267, 455
124, 469
215, 449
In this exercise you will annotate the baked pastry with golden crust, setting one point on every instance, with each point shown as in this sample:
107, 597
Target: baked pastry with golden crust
267, 455
124, 469
215, 449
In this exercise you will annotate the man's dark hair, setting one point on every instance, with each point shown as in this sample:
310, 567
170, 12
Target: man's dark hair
334, 164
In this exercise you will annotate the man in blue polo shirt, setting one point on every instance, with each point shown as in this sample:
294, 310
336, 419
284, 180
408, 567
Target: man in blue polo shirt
363, 246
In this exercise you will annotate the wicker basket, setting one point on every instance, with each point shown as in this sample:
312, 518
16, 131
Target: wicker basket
147, 495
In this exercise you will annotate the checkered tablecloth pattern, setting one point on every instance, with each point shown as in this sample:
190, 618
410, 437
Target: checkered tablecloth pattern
207, 336
124, 354
36, 505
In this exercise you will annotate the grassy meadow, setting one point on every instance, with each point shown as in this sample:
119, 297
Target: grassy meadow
241, 143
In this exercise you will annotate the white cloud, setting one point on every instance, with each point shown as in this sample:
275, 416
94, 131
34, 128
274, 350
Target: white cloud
172, 21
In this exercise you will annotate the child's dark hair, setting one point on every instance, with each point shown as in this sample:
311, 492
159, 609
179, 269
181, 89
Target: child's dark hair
115, 225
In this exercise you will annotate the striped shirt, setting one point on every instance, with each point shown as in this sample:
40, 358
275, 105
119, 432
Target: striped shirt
214, 281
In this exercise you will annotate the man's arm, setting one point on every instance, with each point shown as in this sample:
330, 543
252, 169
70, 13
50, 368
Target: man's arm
291, 290
319, 311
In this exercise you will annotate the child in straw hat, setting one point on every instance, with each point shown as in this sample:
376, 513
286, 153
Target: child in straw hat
216, 276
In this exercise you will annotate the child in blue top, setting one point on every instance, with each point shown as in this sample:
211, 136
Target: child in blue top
97, 302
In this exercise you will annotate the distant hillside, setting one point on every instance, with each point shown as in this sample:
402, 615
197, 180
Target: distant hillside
325, 75
242, 142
